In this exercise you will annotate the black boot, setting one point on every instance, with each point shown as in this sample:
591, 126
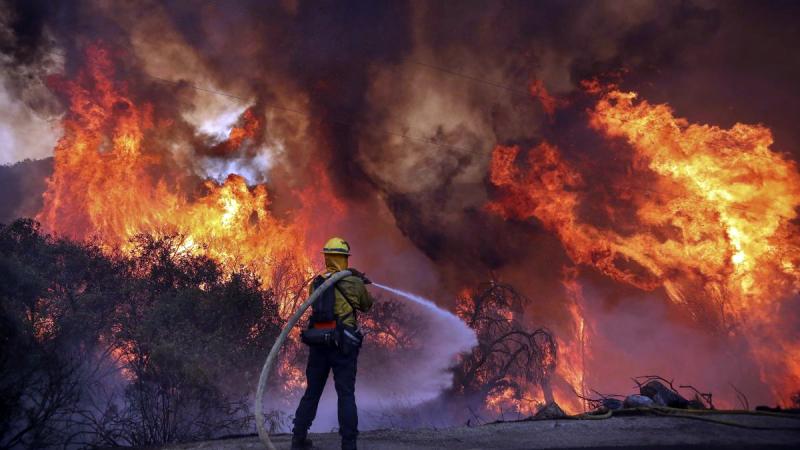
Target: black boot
348, 445
301, 442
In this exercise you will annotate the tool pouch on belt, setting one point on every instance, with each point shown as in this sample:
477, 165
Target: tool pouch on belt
319, 337
349, 339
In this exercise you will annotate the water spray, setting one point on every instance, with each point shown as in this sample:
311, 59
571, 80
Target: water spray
466, 334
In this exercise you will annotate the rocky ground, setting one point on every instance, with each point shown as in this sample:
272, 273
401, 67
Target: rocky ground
631, 432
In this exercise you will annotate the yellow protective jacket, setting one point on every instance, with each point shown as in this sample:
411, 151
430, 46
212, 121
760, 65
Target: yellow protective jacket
351, 286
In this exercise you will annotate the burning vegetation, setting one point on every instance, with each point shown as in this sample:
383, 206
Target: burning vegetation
511, 367
114, 178
560, 204
706, 214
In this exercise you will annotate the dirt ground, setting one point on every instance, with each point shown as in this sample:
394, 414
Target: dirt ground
631, 432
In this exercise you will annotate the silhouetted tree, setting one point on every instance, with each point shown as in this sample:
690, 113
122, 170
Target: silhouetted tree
508, 355
50, 320
151, 346
191, 335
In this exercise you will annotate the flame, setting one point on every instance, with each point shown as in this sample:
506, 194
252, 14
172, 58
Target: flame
573, 353
548, 102
523, 388
518, 402
112, 179
248, 128
713, 222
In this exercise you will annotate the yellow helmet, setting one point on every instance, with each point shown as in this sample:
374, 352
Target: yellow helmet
336, 246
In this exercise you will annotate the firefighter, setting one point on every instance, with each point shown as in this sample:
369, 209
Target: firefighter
334, 341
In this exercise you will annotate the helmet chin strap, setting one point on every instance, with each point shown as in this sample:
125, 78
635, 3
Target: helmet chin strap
273, 353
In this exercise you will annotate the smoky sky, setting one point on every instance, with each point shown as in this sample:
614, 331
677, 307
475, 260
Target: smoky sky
401, 104
364, 74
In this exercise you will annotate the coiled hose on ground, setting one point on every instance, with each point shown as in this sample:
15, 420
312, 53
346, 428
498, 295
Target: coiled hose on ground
276, 347
695, 414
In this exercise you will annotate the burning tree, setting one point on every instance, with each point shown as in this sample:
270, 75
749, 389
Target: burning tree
510, 361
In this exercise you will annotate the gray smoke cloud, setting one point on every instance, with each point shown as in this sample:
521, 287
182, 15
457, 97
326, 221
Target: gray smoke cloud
24, 134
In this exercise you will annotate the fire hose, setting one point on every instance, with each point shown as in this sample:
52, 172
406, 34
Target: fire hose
695, 415
276, 347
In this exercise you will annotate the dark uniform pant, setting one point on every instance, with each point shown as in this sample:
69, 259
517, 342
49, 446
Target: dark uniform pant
320, 362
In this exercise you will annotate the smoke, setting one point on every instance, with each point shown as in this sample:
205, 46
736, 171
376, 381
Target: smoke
400, 104
638, 335
24, 134
445, 337
353, 73
17, 182
28, 111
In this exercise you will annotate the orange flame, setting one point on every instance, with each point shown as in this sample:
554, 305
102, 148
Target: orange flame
713, 213
248, 128
549, 102
113, 180
572, 354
